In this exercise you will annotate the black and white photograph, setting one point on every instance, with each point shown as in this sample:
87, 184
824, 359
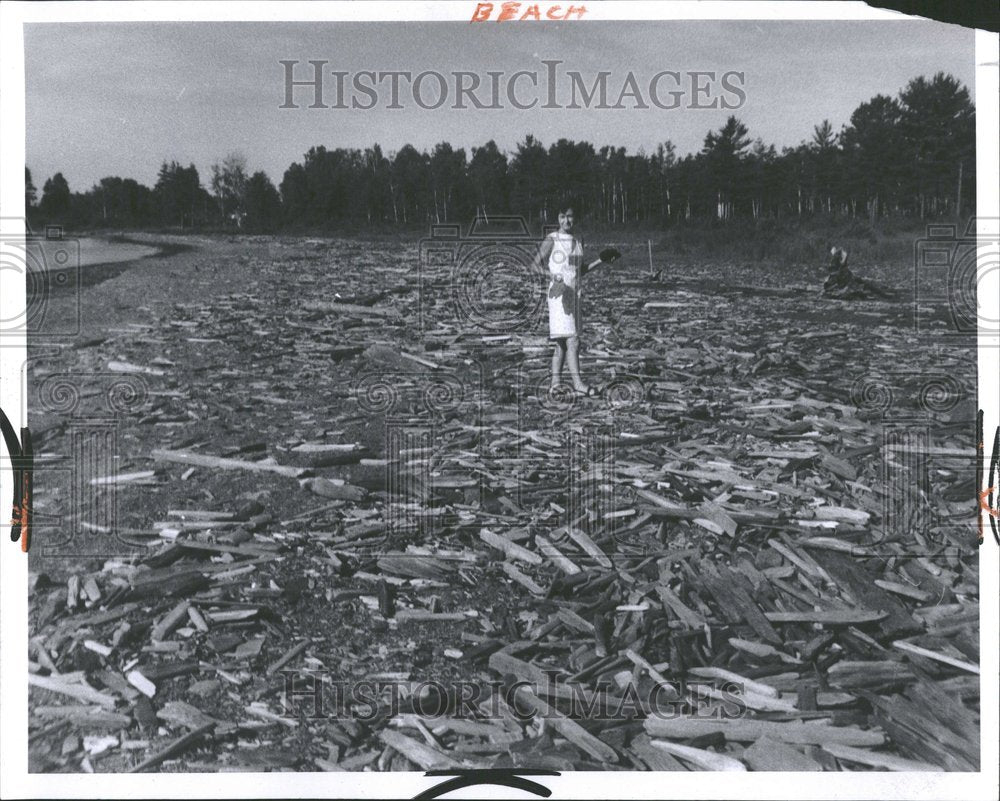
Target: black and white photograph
499, 398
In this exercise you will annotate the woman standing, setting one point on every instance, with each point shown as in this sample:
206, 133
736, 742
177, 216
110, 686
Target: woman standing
562, 252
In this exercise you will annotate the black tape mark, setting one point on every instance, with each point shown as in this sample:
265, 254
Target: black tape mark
19, 451
970, 14
504, 777
979, 474
992, 479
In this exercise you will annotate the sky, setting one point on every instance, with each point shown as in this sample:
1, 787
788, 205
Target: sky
121, 98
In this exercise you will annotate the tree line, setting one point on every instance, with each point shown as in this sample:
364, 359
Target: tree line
912, 155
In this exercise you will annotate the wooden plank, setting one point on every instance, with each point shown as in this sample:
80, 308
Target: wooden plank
687, 616
568, 728
828, 617
654, 674
739, 606
123, 478
588, 546
504, 663
510, 549
177, 747
335, 490
417, 752
170, 621
521, 578
93, 717
743, 682
655, 758
961, 664
851, 574
221, 463
126, 367
426, 616
555, 556
220, 547
768, 754
741, 730
288, 656
351, 309
77, 690
706, 760
181, 713
878, 760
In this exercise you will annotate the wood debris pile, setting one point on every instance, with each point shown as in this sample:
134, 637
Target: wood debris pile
752, 552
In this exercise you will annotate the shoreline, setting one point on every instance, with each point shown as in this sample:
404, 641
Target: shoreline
88, 275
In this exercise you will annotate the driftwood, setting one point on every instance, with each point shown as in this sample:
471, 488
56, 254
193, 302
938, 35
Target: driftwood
179, 746
752, 730
722, 561
219, 463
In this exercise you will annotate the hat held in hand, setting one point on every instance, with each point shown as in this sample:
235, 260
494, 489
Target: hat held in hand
610, 255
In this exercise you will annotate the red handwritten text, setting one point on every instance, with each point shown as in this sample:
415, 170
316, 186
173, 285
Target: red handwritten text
507, 12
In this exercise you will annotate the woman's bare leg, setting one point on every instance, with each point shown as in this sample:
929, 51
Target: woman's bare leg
573, 362
558, 356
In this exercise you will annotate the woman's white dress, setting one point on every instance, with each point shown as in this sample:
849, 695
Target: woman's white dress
565, 260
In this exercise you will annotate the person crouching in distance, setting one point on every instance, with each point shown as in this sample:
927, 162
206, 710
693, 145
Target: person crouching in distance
843, 284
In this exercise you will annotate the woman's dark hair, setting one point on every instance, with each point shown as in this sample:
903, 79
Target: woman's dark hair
564, 207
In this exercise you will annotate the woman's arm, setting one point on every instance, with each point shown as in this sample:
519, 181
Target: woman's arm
544, 252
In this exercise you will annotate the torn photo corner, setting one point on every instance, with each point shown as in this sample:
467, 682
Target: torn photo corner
445, 399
